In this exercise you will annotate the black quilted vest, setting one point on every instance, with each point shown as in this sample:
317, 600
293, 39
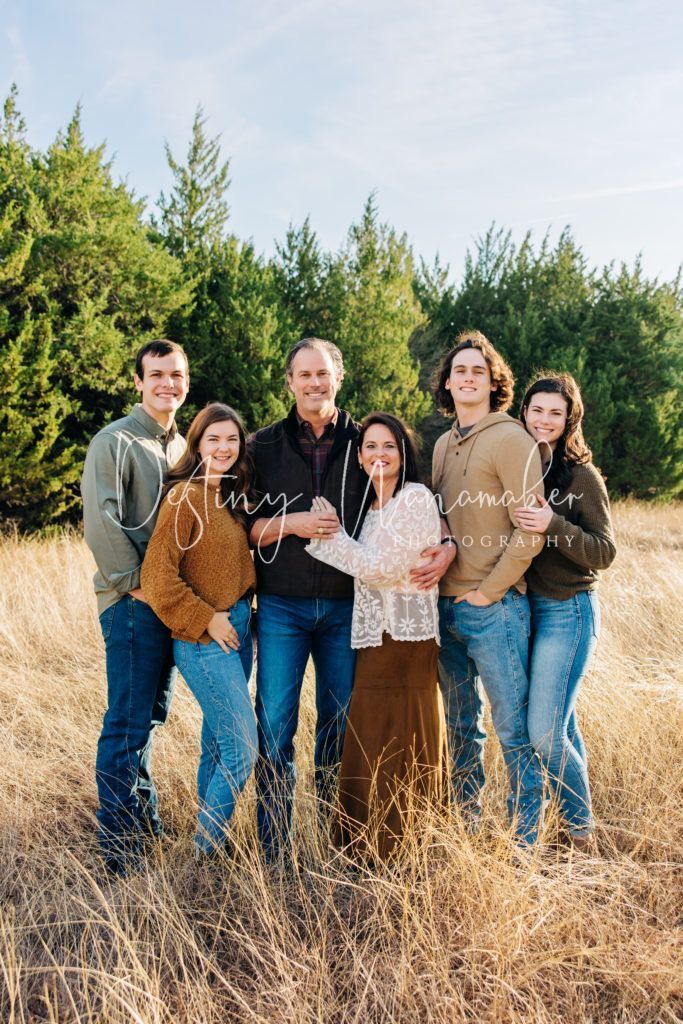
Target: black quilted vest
283, 475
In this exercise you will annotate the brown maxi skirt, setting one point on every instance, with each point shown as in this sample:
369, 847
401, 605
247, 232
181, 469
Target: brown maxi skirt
394, 757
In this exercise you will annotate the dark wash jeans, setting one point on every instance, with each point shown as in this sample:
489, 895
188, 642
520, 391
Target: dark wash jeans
140, 681
490, 646
289, 630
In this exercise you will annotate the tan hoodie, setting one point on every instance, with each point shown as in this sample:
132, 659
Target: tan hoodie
481, 479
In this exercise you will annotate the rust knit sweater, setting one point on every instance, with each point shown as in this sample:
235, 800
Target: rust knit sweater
198, 561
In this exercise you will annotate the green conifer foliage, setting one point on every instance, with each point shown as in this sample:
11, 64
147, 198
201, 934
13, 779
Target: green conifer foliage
82, 286
619, 334
379, 317
231, 329
309, 285
193, 217
85, 280
363, 299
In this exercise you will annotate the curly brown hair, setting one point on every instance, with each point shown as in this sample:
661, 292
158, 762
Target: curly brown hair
501, 374
571, 449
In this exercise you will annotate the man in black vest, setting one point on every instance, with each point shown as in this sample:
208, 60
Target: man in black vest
304, 606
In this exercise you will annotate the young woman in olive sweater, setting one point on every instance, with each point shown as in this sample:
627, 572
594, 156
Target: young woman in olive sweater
577, 542
198, 576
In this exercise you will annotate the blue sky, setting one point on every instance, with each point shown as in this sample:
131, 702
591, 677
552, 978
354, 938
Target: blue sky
533, 114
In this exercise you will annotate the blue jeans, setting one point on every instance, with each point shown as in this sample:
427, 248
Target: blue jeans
290, 629
564, 637
140, 681
229, 744
490, 646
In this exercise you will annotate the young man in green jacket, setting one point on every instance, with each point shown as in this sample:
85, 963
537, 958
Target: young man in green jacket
484, 468
123, 476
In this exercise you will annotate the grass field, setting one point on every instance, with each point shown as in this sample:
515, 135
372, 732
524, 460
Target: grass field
456, 932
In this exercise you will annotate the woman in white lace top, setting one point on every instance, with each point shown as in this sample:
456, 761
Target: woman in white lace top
394, 747
388, 547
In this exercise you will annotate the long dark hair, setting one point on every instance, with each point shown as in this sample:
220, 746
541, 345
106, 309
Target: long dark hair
237, 486
501, 374
405, 440
571, 449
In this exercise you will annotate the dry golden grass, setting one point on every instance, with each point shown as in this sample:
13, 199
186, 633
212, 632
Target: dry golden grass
455, 932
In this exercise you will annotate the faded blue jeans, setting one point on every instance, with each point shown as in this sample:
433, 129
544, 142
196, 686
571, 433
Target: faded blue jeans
489, 646
140, 681
229, 744
289, 630
564, 636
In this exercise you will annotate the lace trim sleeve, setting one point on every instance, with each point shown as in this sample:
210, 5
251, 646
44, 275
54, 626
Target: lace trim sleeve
386, 552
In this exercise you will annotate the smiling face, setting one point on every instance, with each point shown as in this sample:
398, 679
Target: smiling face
314, 383
546, 417
163, 386
380, 455
219, 448
470, 383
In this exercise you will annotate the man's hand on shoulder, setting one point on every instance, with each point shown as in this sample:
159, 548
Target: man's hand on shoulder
440, 559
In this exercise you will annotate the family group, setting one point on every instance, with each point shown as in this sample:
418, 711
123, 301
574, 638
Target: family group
412, 602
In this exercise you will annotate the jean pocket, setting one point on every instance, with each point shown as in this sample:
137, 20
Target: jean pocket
596, 616
521, 604
107, 622
179, 648
240, 617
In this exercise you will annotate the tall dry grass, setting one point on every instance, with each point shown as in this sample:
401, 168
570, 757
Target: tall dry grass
455, 932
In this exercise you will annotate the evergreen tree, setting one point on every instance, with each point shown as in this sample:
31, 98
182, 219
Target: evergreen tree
38, 470
110, 287
84, 282
34, 466
194, 216
310, 287
235, 345
231, 330
82, 287
634, 376
617, 333
379, 316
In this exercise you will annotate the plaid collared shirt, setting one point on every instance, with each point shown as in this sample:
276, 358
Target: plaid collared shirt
316, 449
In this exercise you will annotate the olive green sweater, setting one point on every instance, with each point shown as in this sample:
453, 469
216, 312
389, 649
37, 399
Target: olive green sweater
579, 540
123, 479
198, 561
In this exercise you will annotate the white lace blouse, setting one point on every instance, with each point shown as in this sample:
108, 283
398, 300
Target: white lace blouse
388, 547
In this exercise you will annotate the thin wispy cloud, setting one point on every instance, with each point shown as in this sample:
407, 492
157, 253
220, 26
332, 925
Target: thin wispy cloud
622, 190
457, 114
20, 69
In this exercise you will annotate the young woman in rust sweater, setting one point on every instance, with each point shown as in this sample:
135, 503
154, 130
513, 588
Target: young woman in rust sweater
198, 576
574, 525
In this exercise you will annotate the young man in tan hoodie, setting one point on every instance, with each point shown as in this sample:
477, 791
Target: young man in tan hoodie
483, 469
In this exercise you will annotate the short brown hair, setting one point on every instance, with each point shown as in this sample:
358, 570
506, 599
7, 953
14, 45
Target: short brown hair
159, 347
323, 346
501, 374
